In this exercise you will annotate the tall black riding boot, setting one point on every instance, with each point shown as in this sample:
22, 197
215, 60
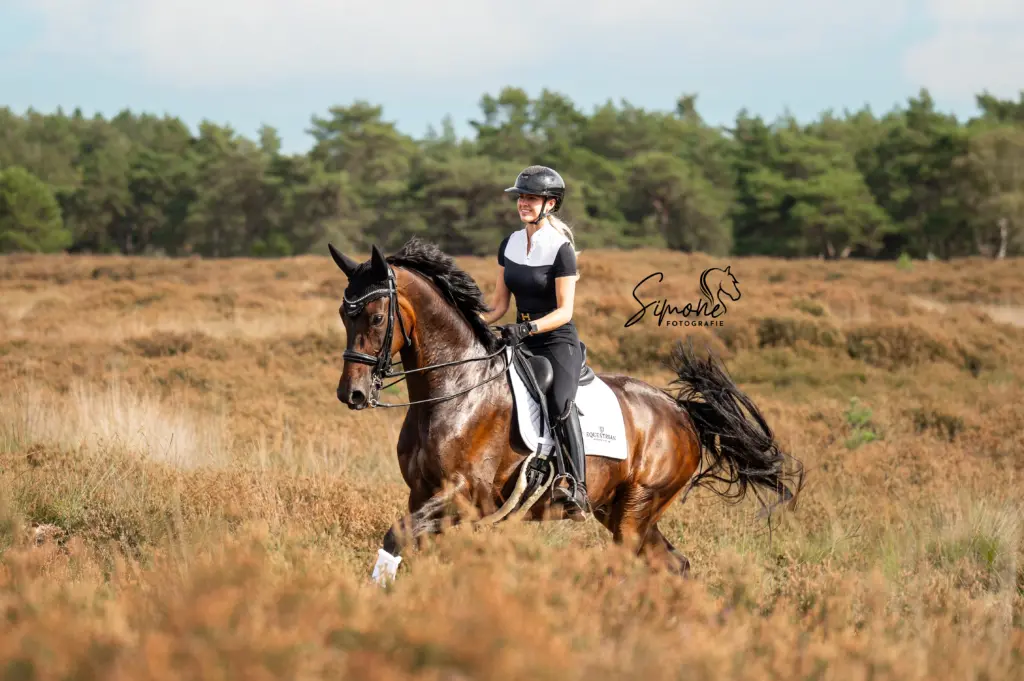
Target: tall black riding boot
574, 497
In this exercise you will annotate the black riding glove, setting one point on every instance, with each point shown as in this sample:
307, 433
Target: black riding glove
515, 333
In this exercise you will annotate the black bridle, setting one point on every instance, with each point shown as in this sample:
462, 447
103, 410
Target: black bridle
381, 362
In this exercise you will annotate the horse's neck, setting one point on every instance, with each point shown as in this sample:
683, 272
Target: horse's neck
440, 339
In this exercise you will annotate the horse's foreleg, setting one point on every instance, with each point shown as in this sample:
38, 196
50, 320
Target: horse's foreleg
426, 517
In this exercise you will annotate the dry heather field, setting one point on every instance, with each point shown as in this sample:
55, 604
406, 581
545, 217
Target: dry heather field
182, 495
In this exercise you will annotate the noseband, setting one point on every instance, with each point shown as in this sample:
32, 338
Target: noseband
381, 362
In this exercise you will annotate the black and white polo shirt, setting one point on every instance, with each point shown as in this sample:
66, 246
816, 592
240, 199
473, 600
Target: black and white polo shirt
531, 276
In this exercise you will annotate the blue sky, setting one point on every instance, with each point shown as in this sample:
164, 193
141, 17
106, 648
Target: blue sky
248, 62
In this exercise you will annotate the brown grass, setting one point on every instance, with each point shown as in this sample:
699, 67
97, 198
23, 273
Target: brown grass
182, 496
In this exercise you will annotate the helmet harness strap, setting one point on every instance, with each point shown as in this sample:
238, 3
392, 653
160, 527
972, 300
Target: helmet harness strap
543, 210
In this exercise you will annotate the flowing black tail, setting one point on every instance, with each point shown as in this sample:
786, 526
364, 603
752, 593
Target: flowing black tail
745, 454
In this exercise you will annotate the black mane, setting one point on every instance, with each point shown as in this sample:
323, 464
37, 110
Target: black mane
456, 285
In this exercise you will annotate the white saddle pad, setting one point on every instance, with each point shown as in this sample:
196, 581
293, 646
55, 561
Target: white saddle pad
604, 429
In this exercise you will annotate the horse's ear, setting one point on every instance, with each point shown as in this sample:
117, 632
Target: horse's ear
344, 263
727, 268
378, 265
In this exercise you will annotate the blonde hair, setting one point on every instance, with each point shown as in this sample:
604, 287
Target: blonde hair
564, 229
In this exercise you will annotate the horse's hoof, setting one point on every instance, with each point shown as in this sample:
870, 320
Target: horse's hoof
681, 565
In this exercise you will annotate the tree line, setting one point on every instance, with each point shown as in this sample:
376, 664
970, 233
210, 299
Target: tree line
912, 181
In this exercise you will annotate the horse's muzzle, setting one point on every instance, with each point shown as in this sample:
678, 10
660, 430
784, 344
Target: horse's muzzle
355, 400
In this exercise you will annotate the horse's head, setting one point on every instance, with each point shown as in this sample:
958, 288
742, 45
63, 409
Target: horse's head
370, 314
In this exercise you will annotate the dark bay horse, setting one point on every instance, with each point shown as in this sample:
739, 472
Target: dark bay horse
454, 447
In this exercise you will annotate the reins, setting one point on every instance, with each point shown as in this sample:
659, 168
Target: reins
377, 380
382, 363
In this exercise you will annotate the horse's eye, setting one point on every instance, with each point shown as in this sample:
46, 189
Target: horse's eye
378, 319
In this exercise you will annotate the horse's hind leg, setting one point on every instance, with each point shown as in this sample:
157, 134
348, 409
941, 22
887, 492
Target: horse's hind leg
667, 555
633, 521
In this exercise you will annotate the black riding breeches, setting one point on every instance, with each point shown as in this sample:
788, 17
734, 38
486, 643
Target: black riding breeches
566, 363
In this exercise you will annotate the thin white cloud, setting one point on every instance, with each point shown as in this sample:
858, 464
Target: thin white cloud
977, 45
224, 43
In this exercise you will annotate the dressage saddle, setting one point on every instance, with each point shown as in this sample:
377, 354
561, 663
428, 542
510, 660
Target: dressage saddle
538, 376
544, 375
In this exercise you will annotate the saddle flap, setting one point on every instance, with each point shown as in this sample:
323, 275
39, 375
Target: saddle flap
542, 372
600, 411
522, 360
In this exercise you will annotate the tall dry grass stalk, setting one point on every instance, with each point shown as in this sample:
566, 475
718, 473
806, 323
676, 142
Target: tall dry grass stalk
114, 418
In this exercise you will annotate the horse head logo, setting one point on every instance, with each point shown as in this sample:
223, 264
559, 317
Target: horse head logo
725, 283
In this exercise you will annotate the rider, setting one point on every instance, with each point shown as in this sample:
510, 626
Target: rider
539, 267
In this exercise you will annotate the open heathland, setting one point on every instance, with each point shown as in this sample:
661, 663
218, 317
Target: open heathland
183, 496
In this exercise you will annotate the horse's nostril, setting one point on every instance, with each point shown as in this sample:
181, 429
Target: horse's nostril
357, 398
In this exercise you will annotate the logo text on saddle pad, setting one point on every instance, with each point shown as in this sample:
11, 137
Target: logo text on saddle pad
601, 435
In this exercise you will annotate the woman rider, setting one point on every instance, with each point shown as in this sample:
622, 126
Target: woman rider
538, 267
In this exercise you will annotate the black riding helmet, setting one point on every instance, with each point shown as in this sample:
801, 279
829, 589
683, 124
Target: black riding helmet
540, 181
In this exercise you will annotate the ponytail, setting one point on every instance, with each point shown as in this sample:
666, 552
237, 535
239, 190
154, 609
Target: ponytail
567, 233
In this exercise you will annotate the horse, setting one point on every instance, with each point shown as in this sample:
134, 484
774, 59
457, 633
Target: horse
455, 449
